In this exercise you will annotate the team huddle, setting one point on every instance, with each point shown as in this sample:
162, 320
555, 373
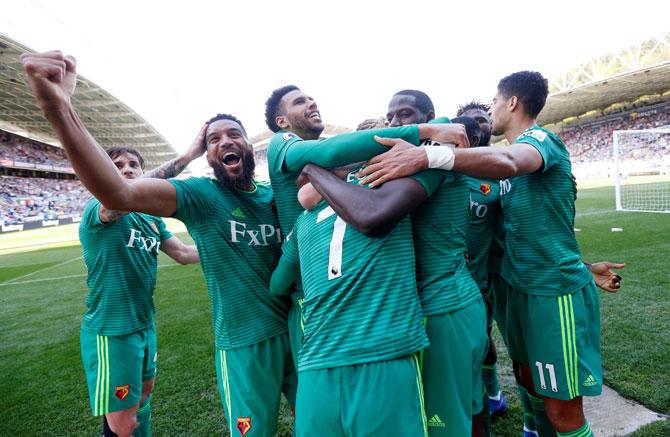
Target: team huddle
363, 281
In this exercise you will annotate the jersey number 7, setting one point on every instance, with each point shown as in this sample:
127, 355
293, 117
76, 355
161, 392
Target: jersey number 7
335, 253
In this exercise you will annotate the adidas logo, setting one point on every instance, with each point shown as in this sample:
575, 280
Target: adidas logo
436, 422
238, 213
590, 381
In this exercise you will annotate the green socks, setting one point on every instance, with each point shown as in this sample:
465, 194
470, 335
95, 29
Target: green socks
542, 425
584, 431
490, 378
144, 419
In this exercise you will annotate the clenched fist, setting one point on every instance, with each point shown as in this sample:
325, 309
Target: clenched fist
52, 76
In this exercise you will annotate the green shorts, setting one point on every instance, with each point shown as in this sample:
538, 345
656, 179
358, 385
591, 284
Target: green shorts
251, 380
559, 338
498, 289
296, 328
372, 399
452, 367
116, 367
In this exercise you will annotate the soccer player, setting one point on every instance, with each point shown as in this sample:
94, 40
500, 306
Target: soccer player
552, 325
118, 335
484, 214
232, 221
450, 299
358, 374
295, 118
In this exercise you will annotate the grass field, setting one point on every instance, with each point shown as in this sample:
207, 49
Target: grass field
42, 293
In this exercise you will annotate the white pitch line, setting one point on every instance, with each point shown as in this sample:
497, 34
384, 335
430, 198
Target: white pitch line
56, 278
584, 214
27, 275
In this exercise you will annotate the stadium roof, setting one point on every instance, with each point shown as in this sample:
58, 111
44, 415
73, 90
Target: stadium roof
639, 70
109, 120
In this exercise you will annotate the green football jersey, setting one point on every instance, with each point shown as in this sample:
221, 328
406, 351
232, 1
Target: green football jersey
484, 211
121, 259
440, 227
239, 241
541, 252
497, 249
361, 302
288, 154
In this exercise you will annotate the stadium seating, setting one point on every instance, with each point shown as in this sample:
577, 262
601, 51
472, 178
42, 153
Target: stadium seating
25, 199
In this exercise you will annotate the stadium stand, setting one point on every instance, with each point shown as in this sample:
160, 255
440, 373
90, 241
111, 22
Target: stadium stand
592, 141
27, 199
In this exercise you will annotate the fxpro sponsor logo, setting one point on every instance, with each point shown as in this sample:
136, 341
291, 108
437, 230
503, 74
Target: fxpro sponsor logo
262, 235
478, 210
137, 241
505, 186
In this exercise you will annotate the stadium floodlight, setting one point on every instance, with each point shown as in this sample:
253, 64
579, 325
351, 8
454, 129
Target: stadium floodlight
642, 170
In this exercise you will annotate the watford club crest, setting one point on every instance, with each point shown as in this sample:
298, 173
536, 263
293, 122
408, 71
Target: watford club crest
243, 425
485, 188
122, 391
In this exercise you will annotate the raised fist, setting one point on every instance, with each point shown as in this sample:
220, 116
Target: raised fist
52, 76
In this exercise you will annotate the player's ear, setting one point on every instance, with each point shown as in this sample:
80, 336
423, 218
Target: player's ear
282, 122
513, 103
430, 116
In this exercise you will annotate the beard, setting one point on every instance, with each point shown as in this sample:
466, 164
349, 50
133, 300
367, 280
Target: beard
240, 182
303, 126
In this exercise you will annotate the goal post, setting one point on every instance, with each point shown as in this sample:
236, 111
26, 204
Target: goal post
642, 170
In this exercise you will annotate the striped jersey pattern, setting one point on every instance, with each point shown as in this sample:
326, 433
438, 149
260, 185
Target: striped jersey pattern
440, 227
121, 259
484, 211
238, 239
361, 303
541, 252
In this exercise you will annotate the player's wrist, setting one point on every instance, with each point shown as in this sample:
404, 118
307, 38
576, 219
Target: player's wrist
439, 157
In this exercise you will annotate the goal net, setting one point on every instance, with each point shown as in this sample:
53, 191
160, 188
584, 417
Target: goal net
642, 170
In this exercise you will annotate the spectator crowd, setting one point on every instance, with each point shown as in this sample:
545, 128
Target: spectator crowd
16, 148
26, 199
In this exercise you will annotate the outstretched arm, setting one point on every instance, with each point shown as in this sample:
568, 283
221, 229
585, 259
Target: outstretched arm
52, 78
180, 252
485, 162
360, 146
372, 212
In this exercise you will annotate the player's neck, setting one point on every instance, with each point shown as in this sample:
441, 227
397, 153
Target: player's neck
517, 126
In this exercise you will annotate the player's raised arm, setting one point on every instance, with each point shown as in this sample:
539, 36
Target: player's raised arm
52, 76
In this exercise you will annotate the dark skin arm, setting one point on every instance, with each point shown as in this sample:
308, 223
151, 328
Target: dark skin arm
372, 212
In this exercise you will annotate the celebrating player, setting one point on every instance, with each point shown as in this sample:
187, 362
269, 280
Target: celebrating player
232, 221
118, 335
362, 326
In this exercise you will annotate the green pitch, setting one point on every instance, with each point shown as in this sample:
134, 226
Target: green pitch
42, 292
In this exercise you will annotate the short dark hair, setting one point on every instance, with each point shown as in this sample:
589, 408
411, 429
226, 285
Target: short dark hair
471, 126
423, 102
218, 117
475, 104
272, 105
530, 87
113, 152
